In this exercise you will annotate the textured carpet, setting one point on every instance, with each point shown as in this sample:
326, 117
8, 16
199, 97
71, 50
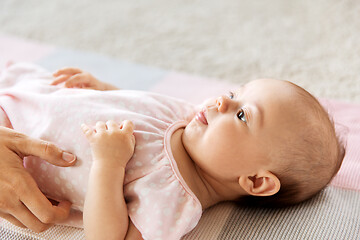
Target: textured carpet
312, 43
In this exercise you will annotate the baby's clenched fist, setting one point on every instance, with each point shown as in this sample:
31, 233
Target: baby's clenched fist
111, 144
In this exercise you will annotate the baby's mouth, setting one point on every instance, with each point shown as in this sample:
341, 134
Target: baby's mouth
201, 117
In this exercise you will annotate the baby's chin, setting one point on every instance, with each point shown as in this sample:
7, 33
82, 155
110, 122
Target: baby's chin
189, 126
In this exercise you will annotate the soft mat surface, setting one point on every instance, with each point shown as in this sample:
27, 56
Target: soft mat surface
333, 214
313, 43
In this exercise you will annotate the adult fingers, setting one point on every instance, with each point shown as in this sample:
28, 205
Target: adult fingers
100, 126
128, 126
22, 217
67, 71
14, 210
12, 219
41, 207
60, 79
112, 125
45, 150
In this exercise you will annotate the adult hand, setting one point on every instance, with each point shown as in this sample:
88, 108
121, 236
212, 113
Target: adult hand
21, 201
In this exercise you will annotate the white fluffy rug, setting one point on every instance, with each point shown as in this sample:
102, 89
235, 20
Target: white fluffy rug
312, 43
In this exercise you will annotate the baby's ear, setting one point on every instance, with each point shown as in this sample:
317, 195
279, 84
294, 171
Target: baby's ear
264, 183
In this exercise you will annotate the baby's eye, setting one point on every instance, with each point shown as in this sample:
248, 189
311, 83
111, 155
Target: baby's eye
231, 95
241, 115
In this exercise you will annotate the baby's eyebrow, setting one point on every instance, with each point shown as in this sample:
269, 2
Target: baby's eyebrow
260, 115
260, 110
242, 88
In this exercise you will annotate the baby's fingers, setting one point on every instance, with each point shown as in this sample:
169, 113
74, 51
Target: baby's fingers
60, 79
67, 71
112, 125
87, 130
76, 81
127, 126
100, 126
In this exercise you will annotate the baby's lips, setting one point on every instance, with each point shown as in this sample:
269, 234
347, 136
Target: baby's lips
201, 117
205, 112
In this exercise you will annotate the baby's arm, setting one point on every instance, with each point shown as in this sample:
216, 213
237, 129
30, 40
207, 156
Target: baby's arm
105, 210
77, 78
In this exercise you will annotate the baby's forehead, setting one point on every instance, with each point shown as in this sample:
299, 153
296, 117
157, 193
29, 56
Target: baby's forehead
268, 88
290, 100
266, 82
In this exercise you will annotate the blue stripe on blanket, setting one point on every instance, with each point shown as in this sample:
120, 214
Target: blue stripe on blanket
122, 74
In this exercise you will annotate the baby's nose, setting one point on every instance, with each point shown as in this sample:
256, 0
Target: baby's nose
222, 103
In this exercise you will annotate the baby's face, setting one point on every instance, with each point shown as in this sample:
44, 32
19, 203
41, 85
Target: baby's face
235, 133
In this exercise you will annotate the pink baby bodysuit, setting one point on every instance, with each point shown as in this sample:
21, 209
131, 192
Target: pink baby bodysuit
160, 204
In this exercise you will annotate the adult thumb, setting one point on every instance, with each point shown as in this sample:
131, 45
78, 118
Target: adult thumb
47, 151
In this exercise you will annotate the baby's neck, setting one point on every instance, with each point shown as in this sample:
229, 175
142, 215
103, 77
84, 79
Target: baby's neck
208, 190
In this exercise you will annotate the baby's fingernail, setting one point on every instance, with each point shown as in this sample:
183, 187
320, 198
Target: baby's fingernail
68, 157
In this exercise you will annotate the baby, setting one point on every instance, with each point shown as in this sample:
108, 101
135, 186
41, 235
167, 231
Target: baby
269, 142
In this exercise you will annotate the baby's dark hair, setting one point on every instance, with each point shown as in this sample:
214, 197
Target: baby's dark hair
309, 157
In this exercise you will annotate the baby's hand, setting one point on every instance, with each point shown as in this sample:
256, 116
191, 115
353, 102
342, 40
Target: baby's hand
112, 145
77, 78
